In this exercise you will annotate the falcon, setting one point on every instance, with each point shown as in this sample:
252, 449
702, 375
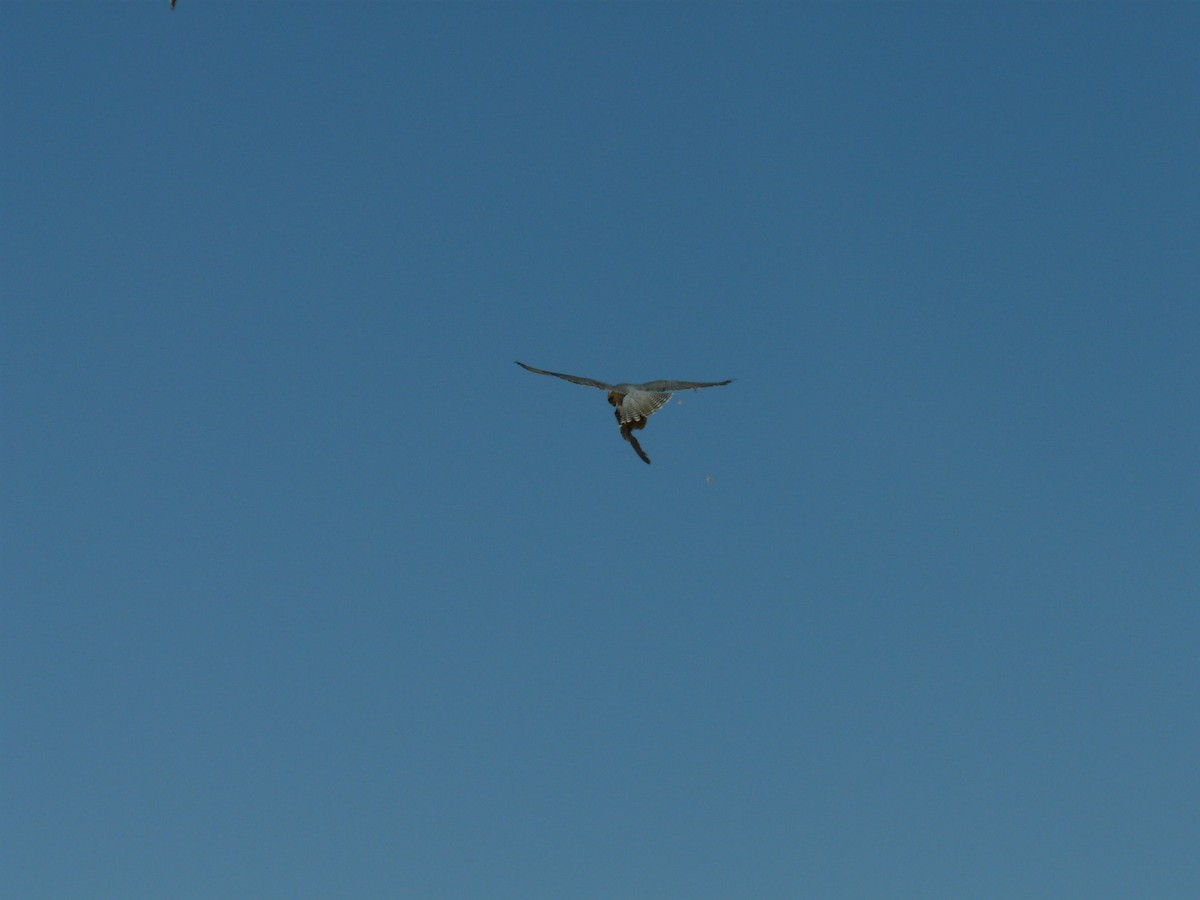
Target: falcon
634, 402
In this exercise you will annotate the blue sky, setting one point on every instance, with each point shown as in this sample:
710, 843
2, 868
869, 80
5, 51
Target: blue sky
308, 591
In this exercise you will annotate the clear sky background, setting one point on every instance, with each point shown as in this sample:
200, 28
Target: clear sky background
308, 591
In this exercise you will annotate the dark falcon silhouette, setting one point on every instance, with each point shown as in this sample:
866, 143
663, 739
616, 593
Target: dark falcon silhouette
634, 402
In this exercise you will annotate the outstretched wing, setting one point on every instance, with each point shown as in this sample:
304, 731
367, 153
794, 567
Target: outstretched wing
669, 386
638, 405
574, 379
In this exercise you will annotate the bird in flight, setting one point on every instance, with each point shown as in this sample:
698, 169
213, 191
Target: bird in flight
634, 402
